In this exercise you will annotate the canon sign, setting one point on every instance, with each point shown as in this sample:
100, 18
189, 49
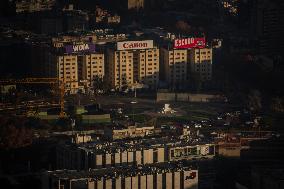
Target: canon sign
132, 45
88, 47
190, 43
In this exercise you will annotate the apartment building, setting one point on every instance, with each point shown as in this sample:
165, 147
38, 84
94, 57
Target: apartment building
67, 71
135, 4
267, 26
174, 67
121, 153
146, 67
120, 68
133, 62
164, 175
34, 6
129, 132
77, 65
91, 66
201, 63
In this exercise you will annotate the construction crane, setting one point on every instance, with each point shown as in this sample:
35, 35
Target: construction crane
50, 81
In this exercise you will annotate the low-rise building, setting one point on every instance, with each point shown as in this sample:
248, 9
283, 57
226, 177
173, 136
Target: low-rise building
169, 176
34, 6
97, 155
129, 132
191, 152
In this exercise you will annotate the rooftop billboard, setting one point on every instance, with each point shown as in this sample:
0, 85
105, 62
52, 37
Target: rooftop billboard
190, 43
134, 45
87, 47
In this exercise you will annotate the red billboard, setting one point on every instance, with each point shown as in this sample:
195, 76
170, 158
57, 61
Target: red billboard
188, 43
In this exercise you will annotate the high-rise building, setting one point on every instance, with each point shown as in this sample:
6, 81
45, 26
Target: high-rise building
146, 67
267, 26
120, 68
135, 4
201, 63
174, 67
179, 66
78, 71
133, 62
91, 66
67, 71
77, 65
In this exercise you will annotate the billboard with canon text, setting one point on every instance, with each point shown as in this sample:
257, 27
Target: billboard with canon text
188, 43
86, 47
134, 45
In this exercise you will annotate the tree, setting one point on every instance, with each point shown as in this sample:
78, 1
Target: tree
14, 133
254, 101
183, 26
98, 83
277, 105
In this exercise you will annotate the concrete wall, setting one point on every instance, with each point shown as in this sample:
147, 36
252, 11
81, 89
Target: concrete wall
166, 96
229, 151
188, 97
89, 119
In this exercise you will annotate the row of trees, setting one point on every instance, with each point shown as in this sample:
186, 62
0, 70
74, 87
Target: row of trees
14, 133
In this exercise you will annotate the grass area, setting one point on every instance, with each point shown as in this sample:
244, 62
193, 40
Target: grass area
139, 118
198, 118
169, 120
203, 111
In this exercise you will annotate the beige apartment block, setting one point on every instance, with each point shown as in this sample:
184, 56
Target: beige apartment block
146, 67
67, 71
126, 68
92, 65
174, 67
201, 63
120, 69
135, 4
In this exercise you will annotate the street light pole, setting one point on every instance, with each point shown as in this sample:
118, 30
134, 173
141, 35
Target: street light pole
133, 102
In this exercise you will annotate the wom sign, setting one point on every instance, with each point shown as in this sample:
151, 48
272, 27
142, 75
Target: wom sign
190, 43
87, 47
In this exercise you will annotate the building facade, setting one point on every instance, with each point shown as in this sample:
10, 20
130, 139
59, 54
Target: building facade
161, 176
67, 71
135, 4
146, 67
86, 156
34, 6
120, 69
174, 66
267, 26
91, 66
133, 62
201, 63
